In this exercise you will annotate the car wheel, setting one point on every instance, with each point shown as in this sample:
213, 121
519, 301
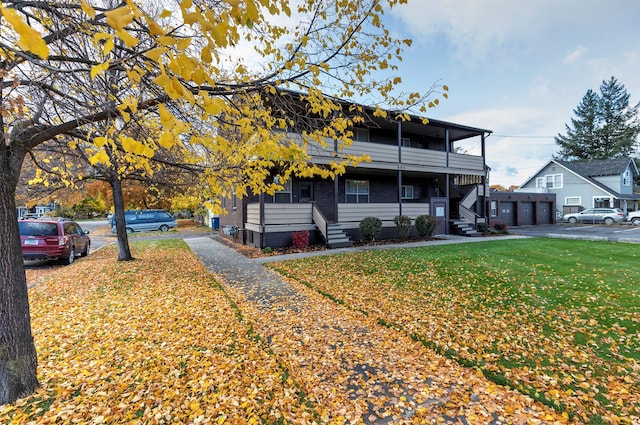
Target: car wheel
67, 261
608, 221
573, 220
164, 228
85, 252
129, 230
636, 221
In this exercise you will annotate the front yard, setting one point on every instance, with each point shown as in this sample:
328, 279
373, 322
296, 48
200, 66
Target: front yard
159, 340
555, 319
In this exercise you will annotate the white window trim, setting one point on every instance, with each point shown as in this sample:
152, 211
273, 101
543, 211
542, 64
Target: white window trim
403, 193
356, 193
286, 189
626, 178
553, 177
579, 198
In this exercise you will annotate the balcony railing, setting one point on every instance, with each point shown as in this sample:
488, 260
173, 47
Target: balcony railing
281, 217
413, 159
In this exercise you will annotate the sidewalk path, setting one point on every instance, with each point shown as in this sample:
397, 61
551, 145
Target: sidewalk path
353, 369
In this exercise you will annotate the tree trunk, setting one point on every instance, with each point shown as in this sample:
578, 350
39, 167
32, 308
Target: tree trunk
18, 361
124, 253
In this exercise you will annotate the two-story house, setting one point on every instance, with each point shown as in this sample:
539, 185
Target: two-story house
415, 169
590, 184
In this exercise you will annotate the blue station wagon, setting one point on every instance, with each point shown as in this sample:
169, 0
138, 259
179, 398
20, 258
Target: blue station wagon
146, 220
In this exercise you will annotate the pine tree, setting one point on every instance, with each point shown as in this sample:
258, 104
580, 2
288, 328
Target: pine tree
604, 127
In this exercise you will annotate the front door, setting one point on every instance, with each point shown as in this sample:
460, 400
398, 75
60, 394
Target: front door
306, 192
439, 209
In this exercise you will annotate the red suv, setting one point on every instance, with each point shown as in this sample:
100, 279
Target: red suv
53, 239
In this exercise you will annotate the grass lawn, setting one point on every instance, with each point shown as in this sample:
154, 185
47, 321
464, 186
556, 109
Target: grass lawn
556, 319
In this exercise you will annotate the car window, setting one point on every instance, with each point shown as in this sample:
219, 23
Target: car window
70, 228
34, 228
163, 215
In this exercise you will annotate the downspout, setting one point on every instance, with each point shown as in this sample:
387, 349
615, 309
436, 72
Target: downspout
399, 134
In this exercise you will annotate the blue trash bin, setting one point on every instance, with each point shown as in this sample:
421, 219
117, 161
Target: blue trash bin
215, 223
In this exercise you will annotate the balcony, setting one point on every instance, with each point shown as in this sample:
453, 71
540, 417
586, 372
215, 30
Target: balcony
385, 157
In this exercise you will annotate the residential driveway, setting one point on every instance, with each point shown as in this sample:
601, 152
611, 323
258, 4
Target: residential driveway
614, 233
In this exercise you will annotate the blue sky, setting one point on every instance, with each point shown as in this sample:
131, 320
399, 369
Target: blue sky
517, 67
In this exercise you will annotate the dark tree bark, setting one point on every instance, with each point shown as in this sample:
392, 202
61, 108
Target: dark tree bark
124, 252
18, 361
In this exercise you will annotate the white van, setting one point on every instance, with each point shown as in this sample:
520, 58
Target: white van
146, 220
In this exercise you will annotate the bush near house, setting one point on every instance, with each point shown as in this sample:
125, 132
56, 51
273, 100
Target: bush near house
403, 224
370, 227
426, 225
300, 240
500, 227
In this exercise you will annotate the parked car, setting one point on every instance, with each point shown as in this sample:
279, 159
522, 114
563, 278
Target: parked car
634, 218
146, 220
596, 215
53, 239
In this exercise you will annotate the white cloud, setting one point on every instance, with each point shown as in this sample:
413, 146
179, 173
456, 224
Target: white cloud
575, 55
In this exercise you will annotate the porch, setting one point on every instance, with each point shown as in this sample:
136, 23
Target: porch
278, 221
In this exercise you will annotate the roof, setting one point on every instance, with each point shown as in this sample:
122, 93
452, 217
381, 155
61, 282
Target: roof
606, 167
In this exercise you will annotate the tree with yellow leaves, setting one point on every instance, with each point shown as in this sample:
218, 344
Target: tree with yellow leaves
84, 70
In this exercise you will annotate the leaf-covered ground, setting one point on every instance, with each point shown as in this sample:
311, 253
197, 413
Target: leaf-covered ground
558, 320
159, 341
154, 340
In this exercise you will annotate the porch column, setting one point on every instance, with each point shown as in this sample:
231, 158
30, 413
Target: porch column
336, 187
262, 220
399, 134
483, 198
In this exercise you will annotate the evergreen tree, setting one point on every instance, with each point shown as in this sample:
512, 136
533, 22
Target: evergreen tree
604, 127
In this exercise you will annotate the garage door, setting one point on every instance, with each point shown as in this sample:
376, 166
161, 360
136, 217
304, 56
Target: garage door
546, 213
527, 213
507, 213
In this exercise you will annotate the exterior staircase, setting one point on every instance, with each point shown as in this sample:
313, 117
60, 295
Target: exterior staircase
463, 227
336, 238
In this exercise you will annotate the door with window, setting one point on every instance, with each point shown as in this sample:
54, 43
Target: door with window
440, 210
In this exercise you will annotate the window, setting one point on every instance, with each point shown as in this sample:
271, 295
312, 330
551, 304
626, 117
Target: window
283, 196
361, 134
549, 181
357, 191
406, 142
406, 192
554, 181
573, 200
494, 208
626, 178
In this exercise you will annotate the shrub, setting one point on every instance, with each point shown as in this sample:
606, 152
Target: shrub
300, 240
403, 224
370, 227
500, 227
482, 228
426, 225
267, 250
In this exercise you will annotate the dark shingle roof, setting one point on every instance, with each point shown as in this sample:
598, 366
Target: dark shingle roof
606, 167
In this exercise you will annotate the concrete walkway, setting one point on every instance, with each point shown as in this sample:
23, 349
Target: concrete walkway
351, 368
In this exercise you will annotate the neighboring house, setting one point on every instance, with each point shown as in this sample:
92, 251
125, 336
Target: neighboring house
593, 184
415, 169
38, 210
